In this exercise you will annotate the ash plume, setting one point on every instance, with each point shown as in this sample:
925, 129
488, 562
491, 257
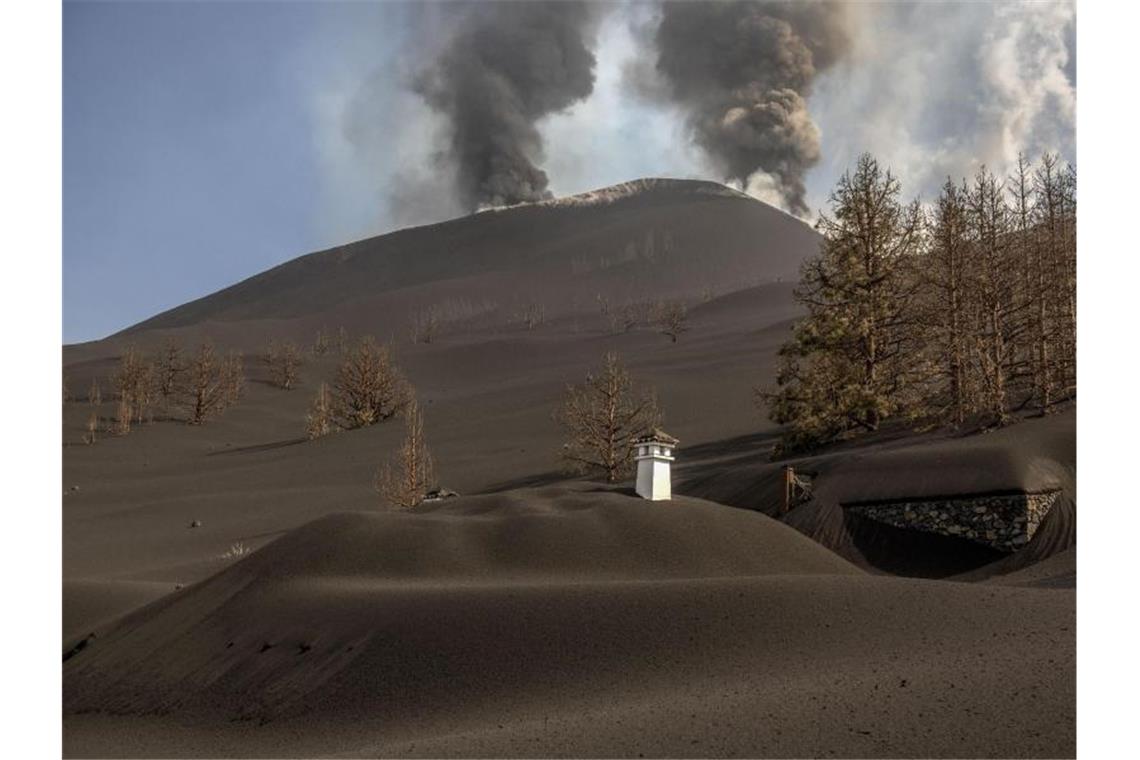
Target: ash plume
742, 73
506, 66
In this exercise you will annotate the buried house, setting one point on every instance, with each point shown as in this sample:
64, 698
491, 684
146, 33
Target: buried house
653, 453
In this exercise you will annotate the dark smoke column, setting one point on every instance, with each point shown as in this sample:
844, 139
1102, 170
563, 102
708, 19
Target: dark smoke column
508, 65
743, 71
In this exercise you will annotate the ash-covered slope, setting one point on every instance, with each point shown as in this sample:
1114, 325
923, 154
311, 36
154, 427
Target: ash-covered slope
648, 238
572, 622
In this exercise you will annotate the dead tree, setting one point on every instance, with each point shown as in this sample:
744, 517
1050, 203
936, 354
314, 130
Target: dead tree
212, 383
405, 484
169, 369
134, 383
283, 360
319, 420
321, 344
601, 418
531, 315
993, 283
671, 318
425, 324
368, 387
944, 278
121, 425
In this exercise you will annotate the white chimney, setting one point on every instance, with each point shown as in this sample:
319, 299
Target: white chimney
654, 454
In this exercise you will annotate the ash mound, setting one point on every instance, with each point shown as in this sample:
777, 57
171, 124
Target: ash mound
570, 621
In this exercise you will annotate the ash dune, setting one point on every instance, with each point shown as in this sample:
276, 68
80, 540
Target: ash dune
537, 615
578, 622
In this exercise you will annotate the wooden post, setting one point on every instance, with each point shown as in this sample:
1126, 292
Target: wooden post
789, 485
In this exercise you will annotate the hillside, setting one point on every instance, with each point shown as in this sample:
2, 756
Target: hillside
644, 239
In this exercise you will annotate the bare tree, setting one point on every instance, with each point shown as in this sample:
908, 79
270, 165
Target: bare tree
283, 360
169, 369
425, 324
404, 485
368, 387
619, 319
122, 422
321, 344
95, 393
342, 341
212, 383
601, 418
233, 374
319, 420
134, 383
530, 315
671, 318
92, 429
66, 390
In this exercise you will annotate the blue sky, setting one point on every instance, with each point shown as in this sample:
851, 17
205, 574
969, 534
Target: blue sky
188, 158
205, 142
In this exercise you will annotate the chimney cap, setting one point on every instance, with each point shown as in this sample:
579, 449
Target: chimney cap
656, 435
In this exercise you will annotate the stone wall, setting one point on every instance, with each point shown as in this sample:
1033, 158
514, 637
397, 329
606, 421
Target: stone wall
1003, 521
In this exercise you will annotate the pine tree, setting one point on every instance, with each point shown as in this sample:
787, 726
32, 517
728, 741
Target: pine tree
846, 366
994, 281
945, 285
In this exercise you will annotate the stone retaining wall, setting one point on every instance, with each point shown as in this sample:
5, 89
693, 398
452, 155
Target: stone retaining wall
1003, 521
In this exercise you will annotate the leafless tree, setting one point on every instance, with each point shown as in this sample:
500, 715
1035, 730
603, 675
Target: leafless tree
601, 417
284, 360
92, 428
94, 393
121, 425
321, 344
212, 383
368, 387
530, 315
671, 318
404, 484
319, 420
134, 383
425, 324
169, 369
